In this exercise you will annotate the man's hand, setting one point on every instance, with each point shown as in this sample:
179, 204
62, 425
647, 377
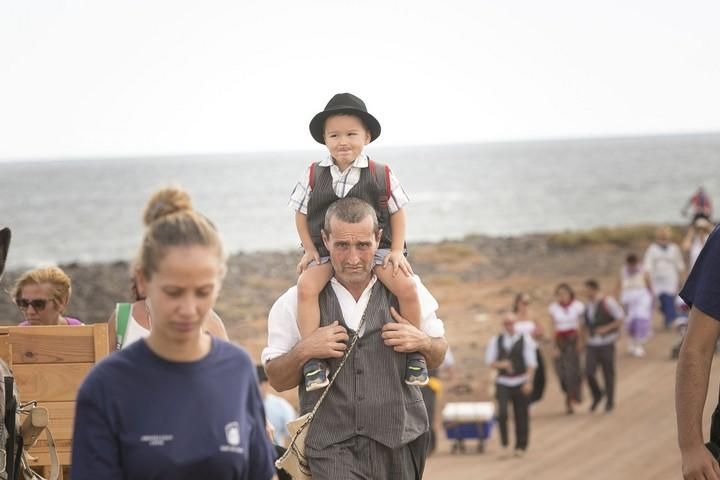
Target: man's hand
527, 388
503, 365
698, 464
402, 336
326, 342
397, 261
285, 371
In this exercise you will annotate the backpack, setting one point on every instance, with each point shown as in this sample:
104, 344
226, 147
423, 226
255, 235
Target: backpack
13, 456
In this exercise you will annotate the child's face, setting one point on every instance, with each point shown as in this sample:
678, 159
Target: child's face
345, 137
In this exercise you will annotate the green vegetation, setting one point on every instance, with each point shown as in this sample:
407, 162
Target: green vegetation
621, 236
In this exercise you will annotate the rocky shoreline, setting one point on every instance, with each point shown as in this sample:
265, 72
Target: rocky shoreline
472, 280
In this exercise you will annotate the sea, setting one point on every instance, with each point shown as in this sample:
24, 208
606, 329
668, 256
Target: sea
89, 210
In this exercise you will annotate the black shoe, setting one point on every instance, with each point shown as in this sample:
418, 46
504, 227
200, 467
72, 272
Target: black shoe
609, 408
315, 373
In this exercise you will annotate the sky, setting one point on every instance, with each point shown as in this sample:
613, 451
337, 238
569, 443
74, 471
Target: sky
102, 78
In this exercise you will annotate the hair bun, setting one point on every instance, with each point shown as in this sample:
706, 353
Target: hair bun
166, 201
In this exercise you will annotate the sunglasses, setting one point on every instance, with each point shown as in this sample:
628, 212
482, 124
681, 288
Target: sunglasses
38, 304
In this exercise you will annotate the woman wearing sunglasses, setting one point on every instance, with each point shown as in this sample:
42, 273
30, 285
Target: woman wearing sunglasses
41, 295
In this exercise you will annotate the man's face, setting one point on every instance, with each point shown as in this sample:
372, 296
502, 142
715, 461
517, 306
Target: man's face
352, 247
590, 293
508, 322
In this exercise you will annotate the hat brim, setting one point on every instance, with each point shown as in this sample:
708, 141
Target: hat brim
317, 124
4, 246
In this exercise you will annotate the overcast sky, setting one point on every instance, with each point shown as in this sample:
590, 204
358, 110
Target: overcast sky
99, 78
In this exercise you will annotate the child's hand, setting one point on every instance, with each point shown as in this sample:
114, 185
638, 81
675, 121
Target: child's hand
308, 257
398, 262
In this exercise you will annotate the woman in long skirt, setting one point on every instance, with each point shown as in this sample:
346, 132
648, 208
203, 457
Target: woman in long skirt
525, 324
566, 313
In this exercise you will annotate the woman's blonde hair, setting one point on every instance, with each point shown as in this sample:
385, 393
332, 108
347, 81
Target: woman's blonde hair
53, 276
170, 221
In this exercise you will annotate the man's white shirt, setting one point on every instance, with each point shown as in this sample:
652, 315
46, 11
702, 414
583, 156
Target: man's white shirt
283, 331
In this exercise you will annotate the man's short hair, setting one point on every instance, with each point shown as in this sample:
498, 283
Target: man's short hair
350, 210
592, 284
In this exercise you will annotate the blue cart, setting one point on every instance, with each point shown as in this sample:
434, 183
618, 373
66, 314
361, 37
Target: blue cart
468, 421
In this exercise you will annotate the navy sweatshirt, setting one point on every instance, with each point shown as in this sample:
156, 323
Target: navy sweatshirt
140, 417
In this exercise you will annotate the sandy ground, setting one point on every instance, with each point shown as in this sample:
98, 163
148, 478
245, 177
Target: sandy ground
636, 441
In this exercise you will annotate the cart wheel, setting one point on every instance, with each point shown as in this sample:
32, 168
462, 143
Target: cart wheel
481, 446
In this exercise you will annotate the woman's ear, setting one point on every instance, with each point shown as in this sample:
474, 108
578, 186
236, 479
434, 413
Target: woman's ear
140, 283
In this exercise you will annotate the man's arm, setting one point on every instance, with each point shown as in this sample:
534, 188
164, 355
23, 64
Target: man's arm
403, 337
284, 372
693, 374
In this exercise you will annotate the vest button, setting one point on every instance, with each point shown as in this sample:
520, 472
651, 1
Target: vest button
359, 371
361, 428
361, 398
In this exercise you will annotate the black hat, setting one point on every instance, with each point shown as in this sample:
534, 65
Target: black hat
343, 103
4, 246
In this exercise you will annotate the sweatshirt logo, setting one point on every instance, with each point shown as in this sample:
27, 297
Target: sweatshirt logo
232, 436
156, 440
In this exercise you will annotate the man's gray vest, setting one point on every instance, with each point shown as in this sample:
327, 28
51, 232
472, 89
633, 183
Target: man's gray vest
369, 397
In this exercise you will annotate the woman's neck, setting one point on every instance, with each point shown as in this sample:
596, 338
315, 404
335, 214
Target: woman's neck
189, 351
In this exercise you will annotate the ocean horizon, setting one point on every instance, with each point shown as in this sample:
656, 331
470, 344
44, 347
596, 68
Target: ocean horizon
89, 210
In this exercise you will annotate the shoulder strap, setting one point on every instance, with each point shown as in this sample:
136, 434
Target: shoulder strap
122, 316
314, 174
381, 174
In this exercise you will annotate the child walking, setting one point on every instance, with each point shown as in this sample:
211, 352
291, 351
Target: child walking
345, 127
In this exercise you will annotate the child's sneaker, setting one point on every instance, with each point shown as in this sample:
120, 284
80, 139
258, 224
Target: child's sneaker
315, 373
416, 372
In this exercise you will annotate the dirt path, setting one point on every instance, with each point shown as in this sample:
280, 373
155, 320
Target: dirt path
637, 441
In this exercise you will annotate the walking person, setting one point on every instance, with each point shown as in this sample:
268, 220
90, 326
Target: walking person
525, 324
601, 329
702, 293
700, 204
371, 424
664, 263
567, 313
178, 404
513, 355
695, 239
637, 300
130, 322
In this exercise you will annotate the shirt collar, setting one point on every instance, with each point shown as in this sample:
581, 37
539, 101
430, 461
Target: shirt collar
373, 279
361, 161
